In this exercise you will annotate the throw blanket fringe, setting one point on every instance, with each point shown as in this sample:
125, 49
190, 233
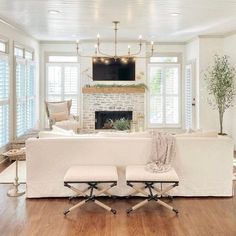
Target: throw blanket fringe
162, 153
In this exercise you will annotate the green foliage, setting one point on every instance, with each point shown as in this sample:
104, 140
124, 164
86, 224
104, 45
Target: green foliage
221, 85
122, 124
141, 85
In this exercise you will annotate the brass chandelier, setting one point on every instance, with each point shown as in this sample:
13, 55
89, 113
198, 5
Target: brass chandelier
99, 54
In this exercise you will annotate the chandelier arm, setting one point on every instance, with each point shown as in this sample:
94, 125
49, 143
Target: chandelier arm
104, 54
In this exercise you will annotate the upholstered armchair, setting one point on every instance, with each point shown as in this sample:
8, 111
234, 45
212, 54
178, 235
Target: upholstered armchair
58, 114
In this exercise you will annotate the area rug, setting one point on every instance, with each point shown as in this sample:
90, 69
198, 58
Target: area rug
7, 176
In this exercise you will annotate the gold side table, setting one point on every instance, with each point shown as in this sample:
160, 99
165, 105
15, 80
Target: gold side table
16, 153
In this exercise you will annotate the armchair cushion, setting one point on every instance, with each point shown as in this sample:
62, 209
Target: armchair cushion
58, 107
59, 116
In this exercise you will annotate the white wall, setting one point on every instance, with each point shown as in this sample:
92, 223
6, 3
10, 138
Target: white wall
15, 35
208, 47
230, 50
203, 50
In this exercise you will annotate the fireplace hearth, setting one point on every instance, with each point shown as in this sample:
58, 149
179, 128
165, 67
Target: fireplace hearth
105, 119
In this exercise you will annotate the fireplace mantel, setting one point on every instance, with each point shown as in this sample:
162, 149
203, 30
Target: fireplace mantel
113, 89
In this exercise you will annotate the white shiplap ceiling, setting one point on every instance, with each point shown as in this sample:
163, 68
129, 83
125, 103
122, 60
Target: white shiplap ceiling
151, 18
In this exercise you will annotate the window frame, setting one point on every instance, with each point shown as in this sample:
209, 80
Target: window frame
24, 49
165, 65
7, 101
26, 63
63, 95
5, 41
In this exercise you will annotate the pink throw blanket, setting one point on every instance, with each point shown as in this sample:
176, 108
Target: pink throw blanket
162, 153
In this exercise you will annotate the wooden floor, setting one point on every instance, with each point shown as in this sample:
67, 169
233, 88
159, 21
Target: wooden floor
198, 216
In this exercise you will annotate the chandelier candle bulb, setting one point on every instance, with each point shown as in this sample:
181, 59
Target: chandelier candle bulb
140, 39
129, 50
98, 39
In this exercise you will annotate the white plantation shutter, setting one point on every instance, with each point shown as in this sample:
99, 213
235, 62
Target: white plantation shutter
189, 96
4, 100
62, 83
20, 97
156, 95
71, 86
164, 102
171, 84
31, 95
25, 96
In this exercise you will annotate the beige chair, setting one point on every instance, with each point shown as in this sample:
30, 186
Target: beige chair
58, 114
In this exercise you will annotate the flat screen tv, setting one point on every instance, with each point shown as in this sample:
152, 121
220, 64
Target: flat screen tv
109, 69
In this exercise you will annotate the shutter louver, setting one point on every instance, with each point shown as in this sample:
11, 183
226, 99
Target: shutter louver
25, 96
4, 101
20, 97
172, 99
188, 97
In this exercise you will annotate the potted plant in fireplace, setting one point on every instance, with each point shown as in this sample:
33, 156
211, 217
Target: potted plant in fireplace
122, 124
221, 86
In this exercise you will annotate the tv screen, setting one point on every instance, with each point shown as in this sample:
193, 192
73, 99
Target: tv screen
113, 70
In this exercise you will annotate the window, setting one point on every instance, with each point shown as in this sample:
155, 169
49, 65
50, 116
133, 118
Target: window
4, 100
25, 96
3, 47
63, 59
63, 83
189, 96
29, 55
164, 95
18, 52
166, 59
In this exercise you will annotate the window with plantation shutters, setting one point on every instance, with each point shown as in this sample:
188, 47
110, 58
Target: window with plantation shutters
25, 96
4, 100
63, 83
164, 95
189, 96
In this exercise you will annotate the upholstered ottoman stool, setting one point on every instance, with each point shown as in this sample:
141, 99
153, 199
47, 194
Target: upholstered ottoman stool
139, 175
92, 176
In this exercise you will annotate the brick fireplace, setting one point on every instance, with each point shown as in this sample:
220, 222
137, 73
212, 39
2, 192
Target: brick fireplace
110, 99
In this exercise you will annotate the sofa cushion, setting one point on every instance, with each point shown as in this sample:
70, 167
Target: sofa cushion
199, 134
124, 134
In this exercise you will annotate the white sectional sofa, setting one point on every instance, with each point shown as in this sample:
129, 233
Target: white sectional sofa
204, 164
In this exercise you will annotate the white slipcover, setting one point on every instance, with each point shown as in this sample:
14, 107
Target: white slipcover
204, 165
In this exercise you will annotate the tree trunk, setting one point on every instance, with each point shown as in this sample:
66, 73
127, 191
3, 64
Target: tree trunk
221, 115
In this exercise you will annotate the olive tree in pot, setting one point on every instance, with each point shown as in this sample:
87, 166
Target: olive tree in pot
221, 87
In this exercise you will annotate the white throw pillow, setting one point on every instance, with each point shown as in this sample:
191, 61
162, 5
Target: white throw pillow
60, 130
58, 107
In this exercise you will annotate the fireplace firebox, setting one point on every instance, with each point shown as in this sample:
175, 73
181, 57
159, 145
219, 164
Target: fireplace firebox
105, 119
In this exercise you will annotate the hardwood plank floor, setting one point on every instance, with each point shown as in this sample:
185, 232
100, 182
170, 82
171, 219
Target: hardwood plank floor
198, 216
